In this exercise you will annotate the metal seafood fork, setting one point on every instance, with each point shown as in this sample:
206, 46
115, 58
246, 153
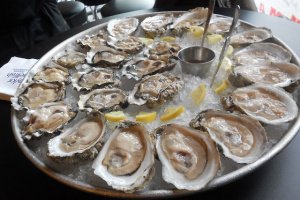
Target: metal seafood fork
227, 41
211, 8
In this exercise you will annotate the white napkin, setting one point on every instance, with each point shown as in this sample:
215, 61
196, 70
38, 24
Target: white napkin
12, 74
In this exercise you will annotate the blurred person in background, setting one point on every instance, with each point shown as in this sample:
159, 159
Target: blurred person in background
25, 23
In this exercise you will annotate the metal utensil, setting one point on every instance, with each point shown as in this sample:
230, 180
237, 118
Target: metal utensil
227, 41
211, 7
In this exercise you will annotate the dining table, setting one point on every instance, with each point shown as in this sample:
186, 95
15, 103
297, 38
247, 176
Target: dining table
278, 178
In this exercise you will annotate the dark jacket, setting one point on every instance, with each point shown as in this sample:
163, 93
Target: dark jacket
27, 22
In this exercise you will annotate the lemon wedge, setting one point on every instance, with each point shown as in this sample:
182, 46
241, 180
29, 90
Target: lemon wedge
229, 50
223, 86
168, 39
196, 31
171, 113
115, 116
198, 94
146, 117
214, 39
146, 41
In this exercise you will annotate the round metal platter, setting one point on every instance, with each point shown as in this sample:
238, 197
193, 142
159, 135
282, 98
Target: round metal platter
102, 188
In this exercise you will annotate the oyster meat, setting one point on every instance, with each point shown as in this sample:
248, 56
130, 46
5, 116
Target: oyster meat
189, 157
103, 100
258, 53
122, 27
242, 138
194, 17
155, 90
37, 93
51, 74
130, 45
220, 25
266, 103
250, 36
140, 67
79, 142
276, 74
156, 25
163, 51
106, 57
92, 41
70, 59
94, 78
126, 160
48, 118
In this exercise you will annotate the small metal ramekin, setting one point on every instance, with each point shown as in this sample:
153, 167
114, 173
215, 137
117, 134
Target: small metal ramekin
196, 60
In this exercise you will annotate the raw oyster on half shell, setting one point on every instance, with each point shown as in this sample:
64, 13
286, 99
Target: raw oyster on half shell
79, 142
51, 74
189, 157
103, 100
276, 74
163, 51
122, 27
126, 160
266, 103
242, 138
70, 59
106, 57
250, 36
140, 67
220, 25
156, 25
92, 41
34, 94
258, 53
130, 45
48, 118
94, 78
194, 17
155, 90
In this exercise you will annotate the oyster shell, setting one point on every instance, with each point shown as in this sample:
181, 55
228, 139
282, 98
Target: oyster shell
250, 36
106, 57
155, 90
194, 17
242, 138
276, 74
189, 157
70, 59
156, 25
92, 41
94, 78
266, 103
220, 25
103, 100
140, 67
163, 51
35, 94
130, 45
122, 27
260, 53
126, 160
79, 142
48, 118
51, 74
